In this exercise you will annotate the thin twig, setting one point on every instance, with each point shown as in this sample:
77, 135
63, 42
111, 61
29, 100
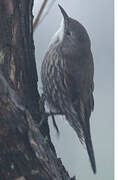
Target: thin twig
39, 14
48, 10
40, 18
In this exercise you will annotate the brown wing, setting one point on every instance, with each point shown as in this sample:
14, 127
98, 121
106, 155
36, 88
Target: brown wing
79, 72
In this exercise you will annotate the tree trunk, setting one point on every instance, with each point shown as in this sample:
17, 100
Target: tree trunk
26, 150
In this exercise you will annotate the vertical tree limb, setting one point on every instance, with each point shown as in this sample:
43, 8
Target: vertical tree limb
26, 150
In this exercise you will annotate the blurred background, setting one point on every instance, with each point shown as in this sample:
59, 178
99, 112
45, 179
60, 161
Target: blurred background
97, 17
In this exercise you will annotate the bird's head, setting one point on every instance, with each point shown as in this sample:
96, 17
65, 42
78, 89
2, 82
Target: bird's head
74, 34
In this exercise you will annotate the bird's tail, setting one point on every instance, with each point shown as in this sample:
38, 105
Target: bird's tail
83, 132
84, 116
89, 146
81, 125
78, 118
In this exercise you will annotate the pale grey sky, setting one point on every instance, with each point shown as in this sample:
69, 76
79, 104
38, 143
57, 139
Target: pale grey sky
97, 17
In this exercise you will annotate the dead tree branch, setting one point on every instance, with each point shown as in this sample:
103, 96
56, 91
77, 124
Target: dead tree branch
39, 18
39, 14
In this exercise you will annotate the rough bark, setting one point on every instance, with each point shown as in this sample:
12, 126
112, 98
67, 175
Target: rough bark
26, 150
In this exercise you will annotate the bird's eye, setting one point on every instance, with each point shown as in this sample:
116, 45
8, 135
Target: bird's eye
82, 37
68, 33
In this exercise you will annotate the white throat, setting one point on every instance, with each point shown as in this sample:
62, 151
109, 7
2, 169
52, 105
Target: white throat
58, 36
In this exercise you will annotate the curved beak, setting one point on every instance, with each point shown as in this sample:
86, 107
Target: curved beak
63, 13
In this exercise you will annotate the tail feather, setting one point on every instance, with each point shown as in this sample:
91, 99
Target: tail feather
88, 142
89, 147
78, 116
83, 113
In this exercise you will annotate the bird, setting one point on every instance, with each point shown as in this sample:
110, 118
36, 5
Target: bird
67, 74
